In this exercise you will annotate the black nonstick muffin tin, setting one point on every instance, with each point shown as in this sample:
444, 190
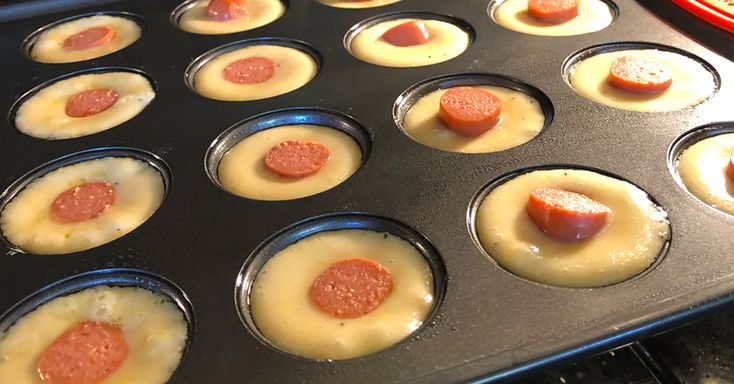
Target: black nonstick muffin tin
489, 324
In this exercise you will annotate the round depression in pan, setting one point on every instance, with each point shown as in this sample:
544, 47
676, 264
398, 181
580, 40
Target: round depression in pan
83, 200
253, 69
83, 37
155, 317
693, 79
235, 161
448, 37
82, 103
593, 15
700, 162
192, 16
568, 242
303, 253
351, 4
525, 112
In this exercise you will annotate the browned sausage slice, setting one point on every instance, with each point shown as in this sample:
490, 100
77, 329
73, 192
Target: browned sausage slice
250, 70
351, 288
85, 354
90, 38
90, 102
565, 215
296, 158
83, 202
469, 111
553, 11
638, 75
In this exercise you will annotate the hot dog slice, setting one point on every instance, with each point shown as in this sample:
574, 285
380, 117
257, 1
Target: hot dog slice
250, 70
83, 202
351, 288
90, 102
565, 215
84, 354
90, 38
553, 11
223, 10
407, 34
638, 75
296, 158
730, 168
469, 111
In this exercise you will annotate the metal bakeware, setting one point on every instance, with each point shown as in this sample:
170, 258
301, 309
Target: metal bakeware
490, 324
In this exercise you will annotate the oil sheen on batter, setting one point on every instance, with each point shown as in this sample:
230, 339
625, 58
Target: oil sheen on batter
521, 120
446, 41
692, 83
262, 12
44, 116
27, 224
293, 69
594, 15
154, 329
284, 313
242, 172
635, 234
702, 168
48, 48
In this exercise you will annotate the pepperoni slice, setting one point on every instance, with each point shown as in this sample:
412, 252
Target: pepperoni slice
730, 168
638, 75
251, 70
565, 215
407, 34
296, 158
351, 288
83, 202
89, 38
85, 354
553, 11
90, 102
469, 111
223, 10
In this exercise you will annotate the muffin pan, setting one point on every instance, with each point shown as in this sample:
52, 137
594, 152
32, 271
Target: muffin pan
489, 324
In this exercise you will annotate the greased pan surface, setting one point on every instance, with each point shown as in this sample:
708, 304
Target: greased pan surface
490, 323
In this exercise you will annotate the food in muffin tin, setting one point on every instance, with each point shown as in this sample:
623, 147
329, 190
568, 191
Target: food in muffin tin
554, 17
644, 80
357, 3
83, 205
213, 17
571, 228
474, 119
288, 162
255, 72
707, 171
342, 294
84, 104
100, 335
409, 42
84, 38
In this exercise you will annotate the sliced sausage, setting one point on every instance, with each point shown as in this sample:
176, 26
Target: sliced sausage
565, 215
553, 11
407, 34
730, 169
89, 38
250, 70
469, 111
296, 158
351, 288
90, 102
638, 75
83, 202
85, 354
223, 10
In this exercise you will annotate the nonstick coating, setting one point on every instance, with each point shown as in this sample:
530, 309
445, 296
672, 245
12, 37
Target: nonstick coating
490, 324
